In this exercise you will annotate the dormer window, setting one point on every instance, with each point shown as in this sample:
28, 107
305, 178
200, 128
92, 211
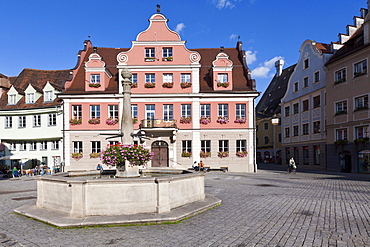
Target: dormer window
12, 99
149, 54
222, 77
167, 53
95, 79
30, 98
48, 96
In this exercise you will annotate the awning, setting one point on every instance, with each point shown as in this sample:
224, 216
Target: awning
19, 157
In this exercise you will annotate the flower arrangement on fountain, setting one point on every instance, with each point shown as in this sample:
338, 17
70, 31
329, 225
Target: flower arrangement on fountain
205, 120
240, 120
94, 121
185, 154
111, 121
94, 155
149, 84
185, 84
203, 154
241, 154
223, 120
185, 120
136, 155
223, 154
75, 121
167, 84
77, 156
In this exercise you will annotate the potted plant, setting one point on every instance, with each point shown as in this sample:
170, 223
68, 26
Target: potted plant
135, 120
77, 156
75, 121
205, 120
167, 59
341, 142
94, 155
167, 85
111, 121
203, 154
149, 84
361, 140
185, 154
96, 85
223, 84
241, 154
222, 120
94, 121
134, 85
150, 59
185, 120
240, 120
185, 84
223, 154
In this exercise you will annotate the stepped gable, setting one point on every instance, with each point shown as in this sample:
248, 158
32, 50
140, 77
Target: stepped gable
109, 57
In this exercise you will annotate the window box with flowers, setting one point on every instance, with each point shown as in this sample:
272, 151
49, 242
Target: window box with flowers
203, 154
111, 121
150, 59
205, 120
149, 84
135, 120
167, 85
185, 154
185, 84
341, 142
94, 121
134, 85
75, 121
340, 81
240, 120
167, 59
222, 120
223, 154
77, 156
96, 85
361, 140
223, 84
241, 154
340, 113
94, 155
185, 120
360, 108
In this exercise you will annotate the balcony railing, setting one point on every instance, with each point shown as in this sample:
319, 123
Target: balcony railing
158, 123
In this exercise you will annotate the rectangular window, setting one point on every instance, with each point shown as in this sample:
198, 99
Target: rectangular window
223, 145
240, 110
22, 122
295, 108
77, 147
94, 111
95, 147
316, 127
185, 77
317, 76
33, 146
341, 134
134, 111
12, 99
43, 145
279, 137
316, 101
186, 110
222, 77
305, 129
266, 126
12, 146
361, 132
295, 86
36, 120
205, 145
150, 78
54, 145
241, 145
305, 155
305, 105
340, 76
134, 78
48, 97
305, 82
168, 112
287, 132
95, 79
77, 111
361, 102
8, 122
52, 119
266, 140
306, 63
149, 52
287, 111
205, 110
223, 110
22, 146
167, 52
30, 98
167, 78
341, 107
360, 68
111, 143
149, 111
295, 130
113, 111
186, 146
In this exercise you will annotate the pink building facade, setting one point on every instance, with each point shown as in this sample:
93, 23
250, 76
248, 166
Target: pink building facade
193, 104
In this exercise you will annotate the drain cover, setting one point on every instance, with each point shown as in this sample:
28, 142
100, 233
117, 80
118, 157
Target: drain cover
24, 198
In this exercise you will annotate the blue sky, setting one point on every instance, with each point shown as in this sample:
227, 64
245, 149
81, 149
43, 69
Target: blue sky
48, 34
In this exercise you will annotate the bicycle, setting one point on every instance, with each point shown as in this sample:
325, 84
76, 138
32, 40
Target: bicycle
292, 169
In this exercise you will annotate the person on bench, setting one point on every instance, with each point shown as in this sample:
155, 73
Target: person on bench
201, 166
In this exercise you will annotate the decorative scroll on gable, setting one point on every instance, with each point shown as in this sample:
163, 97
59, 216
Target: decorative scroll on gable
222, 68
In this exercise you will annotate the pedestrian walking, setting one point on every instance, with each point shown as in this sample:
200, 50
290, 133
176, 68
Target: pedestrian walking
292, 165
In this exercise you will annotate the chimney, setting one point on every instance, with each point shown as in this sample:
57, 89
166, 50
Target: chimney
279, 67
367, 27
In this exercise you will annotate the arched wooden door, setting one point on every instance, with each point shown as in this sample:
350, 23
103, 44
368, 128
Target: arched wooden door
160, 157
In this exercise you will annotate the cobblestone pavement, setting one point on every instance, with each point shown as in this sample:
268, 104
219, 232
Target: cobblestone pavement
269, 208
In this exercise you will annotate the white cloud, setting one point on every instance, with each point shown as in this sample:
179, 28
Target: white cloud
233, 36
251, 57
223, 4
179, 27
263, 70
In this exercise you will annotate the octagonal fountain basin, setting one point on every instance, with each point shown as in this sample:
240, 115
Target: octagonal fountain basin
160, 195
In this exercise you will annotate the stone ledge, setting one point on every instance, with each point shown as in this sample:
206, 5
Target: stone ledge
62, 220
